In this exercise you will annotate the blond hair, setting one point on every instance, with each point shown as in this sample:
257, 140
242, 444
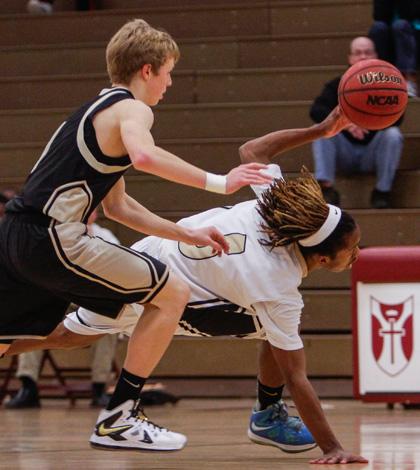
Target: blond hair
292, 210
134, 45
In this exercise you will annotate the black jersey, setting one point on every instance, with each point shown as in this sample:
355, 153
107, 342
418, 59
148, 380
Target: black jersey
72, 176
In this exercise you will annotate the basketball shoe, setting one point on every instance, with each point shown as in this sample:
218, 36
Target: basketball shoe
274, 427
127, 427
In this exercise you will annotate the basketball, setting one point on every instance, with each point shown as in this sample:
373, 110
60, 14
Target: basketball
373, 94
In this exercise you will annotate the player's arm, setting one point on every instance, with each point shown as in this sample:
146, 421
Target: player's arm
135, 120
264, 149
60, 338
119, 206
293, 366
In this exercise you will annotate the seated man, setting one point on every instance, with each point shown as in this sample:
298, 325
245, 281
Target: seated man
275, 241
355, 150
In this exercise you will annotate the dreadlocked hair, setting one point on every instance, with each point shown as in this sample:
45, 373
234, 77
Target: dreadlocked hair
292, 210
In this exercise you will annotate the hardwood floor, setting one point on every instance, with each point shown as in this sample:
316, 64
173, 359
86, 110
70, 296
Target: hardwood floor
56, 437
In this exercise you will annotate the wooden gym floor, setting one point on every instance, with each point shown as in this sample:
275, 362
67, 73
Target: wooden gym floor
56, 437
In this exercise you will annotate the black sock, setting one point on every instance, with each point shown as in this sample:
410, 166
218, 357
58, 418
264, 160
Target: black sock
128, 388
98, 388
268, 395
28, 382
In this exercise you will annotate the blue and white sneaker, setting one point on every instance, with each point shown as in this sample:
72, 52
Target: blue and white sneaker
274, 427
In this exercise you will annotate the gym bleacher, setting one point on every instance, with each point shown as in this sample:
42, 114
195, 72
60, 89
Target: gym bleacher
246, 68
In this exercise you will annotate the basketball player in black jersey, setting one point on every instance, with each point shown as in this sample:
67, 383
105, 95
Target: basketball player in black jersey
47, 258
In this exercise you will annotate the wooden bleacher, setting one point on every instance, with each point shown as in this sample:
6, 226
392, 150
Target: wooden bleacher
247, 68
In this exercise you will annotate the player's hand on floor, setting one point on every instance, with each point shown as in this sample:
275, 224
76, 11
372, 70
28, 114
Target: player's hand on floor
246, 174
339, 456
209, 236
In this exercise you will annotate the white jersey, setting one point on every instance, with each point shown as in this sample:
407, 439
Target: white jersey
258, 282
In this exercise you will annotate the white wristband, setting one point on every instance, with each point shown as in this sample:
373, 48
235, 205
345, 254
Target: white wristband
216, 183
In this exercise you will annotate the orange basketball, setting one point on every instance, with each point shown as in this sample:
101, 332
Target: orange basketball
373, 94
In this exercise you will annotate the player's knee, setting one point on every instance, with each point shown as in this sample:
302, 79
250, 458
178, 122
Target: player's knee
178, 293
62, 338
66, 339
181, 293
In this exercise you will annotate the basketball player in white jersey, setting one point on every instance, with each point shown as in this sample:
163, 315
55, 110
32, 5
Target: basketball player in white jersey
275, 241
47, 258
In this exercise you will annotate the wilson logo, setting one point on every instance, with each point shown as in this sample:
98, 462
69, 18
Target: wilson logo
378, 77
374, 100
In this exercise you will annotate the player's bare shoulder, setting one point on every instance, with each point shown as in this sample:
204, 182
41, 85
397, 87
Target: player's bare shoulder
121, 119
135, 110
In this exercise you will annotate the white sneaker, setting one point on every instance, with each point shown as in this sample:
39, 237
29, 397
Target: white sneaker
126, 427
39, 7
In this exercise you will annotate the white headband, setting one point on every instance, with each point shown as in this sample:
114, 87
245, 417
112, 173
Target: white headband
326, 229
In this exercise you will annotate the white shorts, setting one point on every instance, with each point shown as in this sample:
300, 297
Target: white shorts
202, 320
85, 322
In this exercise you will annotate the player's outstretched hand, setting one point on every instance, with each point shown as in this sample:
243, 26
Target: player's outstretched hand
335, 122
246, 174
209, 236
339, 456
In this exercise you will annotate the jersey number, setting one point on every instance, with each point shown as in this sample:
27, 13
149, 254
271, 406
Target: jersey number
237, 242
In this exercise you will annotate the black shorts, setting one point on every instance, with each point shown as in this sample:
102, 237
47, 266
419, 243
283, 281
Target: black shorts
44, 267
220, 320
